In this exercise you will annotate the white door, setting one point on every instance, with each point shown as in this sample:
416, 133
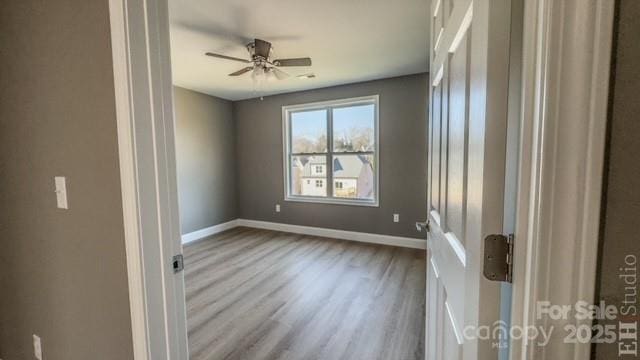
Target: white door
467, 141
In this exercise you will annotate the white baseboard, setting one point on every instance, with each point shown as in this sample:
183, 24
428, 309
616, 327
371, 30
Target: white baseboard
203, 233
308, 230
337, 234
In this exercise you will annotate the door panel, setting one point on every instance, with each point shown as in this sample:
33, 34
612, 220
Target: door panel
438, 24
436, 148
451, 347
452, 274
457, 138
467, 125
433, 311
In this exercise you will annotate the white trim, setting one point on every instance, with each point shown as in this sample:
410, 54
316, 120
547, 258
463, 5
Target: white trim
124, 112
286, 111
454, 324
335, 103
211, 230
332, 201
462, 30
337, 234
457, 247
438, 77
438, 39
307, 230
144, 112
436, 272
437, 8
436, 217
561, 162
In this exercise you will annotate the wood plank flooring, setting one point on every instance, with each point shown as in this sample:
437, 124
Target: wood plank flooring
257, 294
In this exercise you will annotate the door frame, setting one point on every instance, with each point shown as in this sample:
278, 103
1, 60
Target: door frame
146, 145
565, 181
566, 65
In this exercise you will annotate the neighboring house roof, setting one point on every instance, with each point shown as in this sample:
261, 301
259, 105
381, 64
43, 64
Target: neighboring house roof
348, 166
343, 166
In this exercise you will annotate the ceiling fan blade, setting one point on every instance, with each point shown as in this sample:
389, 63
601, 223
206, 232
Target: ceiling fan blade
293, 62
281, 75
228, 57
262, 48
306, 76
242, 71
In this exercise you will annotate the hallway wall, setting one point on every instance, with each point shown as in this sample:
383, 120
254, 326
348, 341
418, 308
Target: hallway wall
63, 274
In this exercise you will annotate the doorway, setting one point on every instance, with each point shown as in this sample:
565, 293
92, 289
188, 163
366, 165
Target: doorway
150, 227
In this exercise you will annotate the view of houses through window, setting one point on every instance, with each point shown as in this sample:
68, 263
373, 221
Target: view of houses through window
331, 151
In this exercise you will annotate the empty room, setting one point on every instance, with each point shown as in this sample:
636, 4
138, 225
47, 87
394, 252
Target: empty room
301, 161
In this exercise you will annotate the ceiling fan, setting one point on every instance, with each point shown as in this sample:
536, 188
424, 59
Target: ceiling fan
260, 53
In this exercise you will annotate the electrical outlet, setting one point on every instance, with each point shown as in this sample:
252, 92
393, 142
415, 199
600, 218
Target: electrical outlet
277, 207
396, 218
37, 347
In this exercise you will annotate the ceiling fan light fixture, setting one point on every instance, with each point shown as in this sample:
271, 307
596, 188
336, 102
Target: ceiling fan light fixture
257, 73
270, 75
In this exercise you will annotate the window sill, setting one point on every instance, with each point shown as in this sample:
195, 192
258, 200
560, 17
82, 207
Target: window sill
332, 201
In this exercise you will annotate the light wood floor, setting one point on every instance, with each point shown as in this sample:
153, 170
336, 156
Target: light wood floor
257, 294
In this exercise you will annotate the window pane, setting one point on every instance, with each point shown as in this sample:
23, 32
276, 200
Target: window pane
353, 177
309, 131
309, 176
353, 128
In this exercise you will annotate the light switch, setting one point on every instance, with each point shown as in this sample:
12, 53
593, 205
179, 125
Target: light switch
61, 192
37, 347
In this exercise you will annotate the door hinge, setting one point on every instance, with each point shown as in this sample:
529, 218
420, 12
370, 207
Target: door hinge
498, 257
178, 263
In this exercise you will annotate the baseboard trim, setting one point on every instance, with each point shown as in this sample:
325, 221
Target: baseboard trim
337, 234
212, 230
307, 230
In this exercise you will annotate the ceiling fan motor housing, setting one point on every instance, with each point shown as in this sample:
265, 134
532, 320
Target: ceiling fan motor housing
258, 59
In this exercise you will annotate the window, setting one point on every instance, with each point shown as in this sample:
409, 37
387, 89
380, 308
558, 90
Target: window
331, 151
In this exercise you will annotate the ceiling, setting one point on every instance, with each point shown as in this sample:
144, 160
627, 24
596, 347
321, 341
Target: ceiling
347, 40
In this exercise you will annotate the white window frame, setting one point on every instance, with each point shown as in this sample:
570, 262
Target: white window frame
329, 105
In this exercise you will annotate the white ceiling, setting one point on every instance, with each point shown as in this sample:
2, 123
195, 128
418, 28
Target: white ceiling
347, 40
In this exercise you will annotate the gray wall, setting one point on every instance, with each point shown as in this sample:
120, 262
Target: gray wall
206, 160
622, 181
63, 273
403, 160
